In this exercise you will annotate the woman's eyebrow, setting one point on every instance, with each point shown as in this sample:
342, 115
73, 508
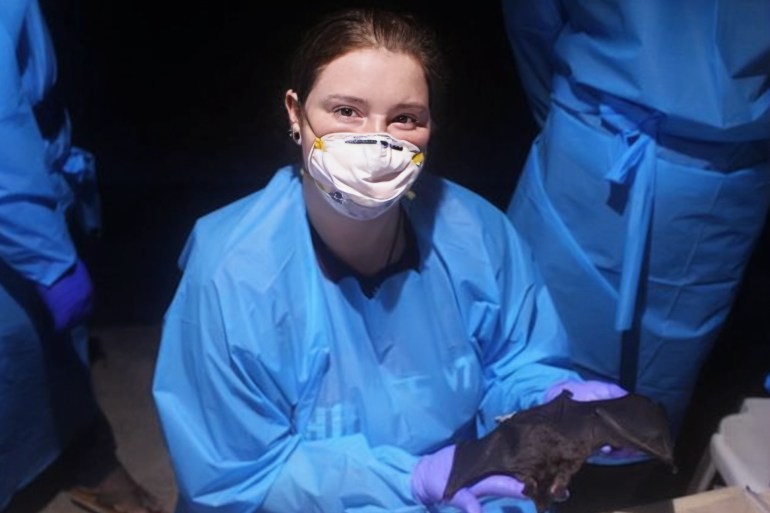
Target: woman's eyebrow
411, 106
345, 99
355, 100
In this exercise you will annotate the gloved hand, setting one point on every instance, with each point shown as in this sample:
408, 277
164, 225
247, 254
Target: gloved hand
431, 474
70, 298
597, 391
586, 390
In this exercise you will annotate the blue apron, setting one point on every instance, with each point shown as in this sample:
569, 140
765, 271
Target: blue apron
647, 188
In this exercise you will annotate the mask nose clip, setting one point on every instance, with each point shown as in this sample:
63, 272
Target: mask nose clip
369, 171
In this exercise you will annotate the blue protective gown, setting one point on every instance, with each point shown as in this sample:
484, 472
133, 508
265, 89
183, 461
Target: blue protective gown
281, 391
649, 184
45, 394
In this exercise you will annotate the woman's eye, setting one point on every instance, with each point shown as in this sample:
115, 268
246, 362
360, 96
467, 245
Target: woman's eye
405, 119
346, 112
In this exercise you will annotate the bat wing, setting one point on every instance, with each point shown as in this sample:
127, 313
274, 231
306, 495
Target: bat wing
544, 446
637, 422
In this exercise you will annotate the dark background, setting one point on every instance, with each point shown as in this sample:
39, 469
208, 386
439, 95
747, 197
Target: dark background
182, 104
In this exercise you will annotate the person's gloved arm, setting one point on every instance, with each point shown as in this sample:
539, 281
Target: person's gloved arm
431, 474
70, 298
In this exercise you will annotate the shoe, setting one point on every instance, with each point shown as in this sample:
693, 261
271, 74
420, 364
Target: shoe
116, 493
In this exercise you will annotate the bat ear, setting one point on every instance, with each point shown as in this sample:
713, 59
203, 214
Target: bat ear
655, 440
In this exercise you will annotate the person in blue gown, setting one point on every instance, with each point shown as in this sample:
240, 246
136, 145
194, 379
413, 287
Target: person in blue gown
648, 185
649, 182
335, 333
48, 411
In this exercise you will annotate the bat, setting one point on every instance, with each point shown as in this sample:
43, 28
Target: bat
544, 446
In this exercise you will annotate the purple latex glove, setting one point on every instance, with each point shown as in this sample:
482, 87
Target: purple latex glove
586, 390
597, 391
431, 474
70, 298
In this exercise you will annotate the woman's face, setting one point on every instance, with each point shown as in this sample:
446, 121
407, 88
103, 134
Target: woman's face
372, 90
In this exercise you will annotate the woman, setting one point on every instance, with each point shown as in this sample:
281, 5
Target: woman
335, 333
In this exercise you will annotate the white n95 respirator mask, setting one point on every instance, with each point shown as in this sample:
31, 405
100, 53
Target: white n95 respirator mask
363, 175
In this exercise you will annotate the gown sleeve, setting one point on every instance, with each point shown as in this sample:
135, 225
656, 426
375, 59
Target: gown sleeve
34, 239
527, 351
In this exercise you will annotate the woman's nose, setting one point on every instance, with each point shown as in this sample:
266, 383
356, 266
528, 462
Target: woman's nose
376, 124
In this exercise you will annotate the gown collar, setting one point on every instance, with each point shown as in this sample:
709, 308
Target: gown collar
335, 269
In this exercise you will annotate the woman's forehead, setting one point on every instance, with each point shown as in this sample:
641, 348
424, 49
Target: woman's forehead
372, 75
